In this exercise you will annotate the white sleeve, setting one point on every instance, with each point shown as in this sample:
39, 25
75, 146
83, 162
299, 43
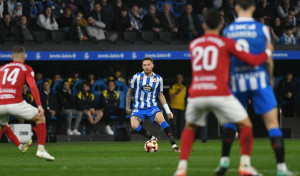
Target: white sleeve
267, 33
161, 85
132, 81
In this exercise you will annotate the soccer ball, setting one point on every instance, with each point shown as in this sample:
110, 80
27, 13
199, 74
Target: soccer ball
151, 146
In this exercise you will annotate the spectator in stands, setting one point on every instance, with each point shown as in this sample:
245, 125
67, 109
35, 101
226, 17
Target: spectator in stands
189, 24
287, 93
32, 8
167, 19
135, 19
59, 8
78, 31
55, 78
66, 20
118, 5
17, 12
87, 8
74, 78
177, 94
224, 21
263, 9
86, 103
142, 12
49, 102
2, 33
151, 21
229, 10
1, 9
26, 32
10, 29
47, 21
107, 14
118, 75
27, 96
297, 7
83, 21
110, 101
217, 4
262, 20
96, 12
91, 79
292, 16
288, 38
122, 21
38, 76
73, 5
66, 103
95, 29
282, 9
201, 16
277, 30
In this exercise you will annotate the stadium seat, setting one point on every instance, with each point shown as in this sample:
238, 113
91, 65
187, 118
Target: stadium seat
56, 86
76, 87
165, 36
131, 36
97, 89
148, 36
112, 36
41, 36
58, 36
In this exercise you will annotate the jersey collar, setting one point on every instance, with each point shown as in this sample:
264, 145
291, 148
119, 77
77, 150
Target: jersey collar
147, 76
243, 19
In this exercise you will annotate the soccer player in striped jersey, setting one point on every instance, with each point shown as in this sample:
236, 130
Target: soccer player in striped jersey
248, 82
145, 87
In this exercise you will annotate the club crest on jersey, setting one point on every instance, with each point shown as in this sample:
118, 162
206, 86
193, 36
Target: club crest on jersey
154, 79
146, 88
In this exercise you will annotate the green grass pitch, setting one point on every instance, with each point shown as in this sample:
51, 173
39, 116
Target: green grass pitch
129, 158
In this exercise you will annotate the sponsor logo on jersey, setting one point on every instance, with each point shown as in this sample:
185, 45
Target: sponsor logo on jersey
147, 88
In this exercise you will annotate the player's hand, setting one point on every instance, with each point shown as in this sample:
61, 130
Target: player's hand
129, 111
170, 115
40, 110
270, 47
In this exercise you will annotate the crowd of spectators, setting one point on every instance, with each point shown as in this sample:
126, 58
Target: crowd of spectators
90, 19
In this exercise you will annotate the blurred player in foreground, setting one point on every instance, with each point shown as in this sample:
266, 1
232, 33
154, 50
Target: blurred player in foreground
12, 78
145, 87
248, 82
209, 91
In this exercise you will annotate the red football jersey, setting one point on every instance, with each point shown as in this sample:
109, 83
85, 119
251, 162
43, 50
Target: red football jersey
12, 78
211, 62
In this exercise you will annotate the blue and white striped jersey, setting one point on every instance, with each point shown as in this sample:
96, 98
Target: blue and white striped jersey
146, 90
253, 37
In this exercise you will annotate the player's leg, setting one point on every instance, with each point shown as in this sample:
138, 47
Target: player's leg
69, 114
137, 128
229, 131
107, 116
78, 115
89, 116
99, 115
264, 102
231, 110
159, 118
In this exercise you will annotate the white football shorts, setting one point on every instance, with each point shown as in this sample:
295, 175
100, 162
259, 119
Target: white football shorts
21, 110
226, 108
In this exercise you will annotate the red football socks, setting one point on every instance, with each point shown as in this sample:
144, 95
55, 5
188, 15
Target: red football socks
41, 133
187, 140
246, 140
11, 136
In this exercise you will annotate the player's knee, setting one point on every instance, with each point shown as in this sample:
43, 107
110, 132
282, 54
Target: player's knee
190, 126
230, 126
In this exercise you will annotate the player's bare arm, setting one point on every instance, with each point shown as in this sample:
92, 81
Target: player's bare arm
270, 68
128, 100
163, 101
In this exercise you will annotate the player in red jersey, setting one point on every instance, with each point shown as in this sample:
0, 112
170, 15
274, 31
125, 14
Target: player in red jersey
12, 78
210, 92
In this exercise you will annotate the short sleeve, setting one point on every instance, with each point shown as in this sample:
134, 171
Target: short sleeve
160, 85
133, 81
266, 33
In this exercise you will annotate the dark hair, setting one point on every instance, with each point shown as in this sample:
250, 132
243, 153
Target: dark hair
18, 49
111, 81
97, 3
46, 81
85, 83
148, 58
51, 17
289, 27
245, 4
212, 19
65, 81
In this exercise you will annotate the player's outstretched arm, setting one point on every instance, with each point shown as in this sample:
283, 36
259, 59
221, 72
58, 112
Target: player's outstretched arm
163, 101
237, 50
33, 88
128, 100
